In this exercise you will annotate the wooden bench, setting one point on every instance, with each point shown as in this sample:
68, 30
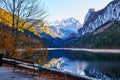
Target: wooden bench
25, 64
22, 64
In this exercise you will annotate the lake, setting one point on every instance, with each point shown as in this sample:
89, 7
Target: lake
99, 66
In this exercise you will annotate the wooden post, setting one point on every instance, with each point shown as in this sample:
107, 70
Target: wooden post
1, 56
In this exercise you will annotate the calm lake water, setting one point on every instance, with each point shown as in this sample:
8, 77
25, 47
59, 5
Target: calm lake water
99, 70
104, 70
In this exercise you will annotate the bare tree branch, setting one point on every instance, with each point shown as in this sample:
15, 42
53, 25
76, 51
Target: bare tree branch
22, 10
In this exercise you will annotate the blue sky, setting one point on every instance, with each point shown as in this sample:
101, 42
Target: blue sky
62, 9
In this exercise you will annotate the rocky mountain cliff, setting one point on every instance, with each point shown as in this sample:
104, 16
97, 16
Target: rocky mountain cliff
95, 19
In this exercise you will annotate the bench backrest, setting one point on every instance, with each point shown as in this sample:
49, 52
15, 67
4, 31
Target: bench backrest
23, 60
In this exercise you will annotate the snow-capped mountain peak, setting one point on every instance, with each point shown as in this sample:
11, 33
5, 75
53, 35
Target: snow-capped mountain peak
64, 27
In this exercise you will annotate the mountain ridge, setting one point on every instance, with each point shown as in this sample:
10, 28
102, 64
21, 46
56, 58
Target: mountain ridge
100, 17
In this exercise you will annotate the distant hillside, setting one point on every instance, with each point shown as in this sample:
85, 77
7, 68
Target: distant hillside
6, 18
101, 38
55, 42
43, 28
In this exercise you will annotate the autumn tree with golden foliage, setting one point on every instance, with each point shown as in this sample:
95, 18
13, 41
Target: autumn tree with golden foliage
24, 42
18, 12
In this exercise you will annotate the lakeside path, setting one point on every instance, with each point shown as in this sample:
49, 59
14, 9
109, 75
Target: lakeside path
7, 73
114, 51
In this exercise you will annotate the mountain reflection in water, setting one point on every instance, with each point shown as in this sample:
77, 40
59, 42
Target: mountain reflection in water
99, 70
